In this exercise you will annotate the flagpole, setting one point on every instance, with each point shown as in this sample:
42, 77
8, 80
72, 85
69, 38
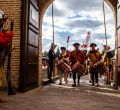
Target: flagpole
67, 46
104, 22
53, 37
53, 23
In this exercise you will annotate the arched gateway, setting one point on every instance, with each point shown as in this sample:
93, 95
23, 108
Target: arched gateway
28, 15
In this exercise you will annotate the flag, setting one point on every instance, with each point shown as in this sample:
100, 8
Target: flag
68, 39
85, 42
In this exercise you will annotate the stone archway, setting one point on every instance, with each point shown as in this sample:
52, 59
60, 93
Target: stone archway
112, 3
21, 16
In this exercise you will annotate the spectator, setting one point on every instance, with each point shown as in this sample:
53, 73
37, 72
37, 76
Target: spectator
51, 55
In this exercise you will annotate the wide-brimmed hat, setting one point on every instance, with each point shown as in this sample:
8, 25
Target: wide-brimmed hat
93, 44
63, 48
76, 44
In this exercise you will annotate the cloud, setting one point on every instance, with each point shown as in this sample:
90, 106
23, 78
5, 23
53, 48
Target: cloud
101, 36
81, 5
75, 16
86, 23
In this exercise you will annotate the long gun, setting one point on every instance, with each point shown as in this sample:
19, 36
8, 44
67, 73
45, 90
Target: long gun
10, 88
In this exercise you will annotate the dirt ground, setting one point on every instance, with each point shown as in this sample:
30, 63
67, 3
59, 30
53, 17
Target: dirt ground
64, 97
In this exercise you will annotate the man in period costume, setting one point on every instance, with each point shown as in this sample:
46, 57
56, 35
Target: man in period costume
94, 57
51, 55
76, 56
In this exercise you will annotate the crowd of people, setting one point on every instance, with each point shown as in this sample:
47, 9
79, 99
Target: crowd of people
77, 63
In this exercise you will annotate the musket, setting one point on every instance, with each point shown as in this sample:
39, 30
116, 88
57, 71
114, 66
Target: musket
10, 88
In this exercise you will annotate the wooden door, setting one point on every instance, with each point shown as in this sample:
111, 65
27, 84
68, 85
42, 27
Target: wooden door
29, 46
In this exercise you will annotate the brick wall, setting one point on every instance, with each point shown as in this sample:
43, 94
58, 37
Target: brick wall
12, 9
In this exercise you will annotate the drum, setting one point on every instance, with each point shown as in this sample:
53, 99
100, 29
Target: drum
80, 69
63, 66
101, 68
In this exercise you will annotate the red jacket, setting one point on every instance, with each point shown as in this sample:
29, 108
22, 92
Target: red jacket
5, 38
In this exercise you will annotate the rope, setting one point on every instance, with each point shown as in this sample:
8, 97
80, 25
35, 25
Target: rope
104, 22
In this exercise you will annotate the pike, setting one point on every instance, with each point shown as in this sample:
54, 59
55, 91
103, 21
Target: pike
10, 88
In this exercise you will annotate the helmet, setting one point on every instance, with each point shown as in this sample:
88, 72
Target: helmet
2, 15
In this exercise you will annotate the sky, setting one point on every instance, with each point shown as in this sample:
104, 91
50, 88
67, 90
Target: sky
75, 18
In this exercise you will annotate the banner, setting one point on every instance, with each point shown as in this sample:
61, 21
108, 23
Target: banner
86, 41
